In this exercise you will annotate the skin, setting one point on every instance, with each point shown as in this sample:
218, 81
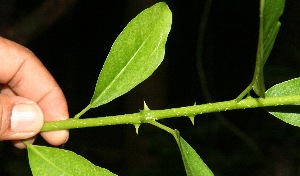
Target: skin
24, 79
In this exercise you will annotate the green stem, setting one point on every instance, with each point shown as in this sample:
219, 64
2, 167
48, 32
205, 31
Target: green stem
151, 115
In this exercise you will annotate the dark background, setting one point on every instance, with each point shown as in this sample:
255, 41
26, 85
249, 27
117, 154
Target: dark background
73, 38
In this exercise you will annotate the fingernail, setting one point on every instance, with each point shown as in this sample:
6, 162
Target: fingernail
26, 118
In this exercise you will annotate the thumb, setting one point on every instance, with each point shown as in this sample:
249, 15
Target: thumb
19, 118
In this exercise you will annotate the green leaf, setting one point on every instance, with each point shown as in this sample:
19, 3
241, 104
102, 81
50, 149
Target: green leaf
289, 114
269, 14
135, 55
194, 165
53, 161
270, 11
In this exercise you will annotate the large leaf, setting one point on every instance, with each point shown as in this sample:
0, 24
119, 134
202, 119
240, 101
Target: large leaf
135, 54
270, 11
53, 161
194, 165
289, 114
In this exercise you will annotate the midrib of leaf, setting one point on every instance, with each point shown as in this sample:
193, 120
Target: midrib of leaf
47, 160
261, 36
256, 84
158, 44
128, 63
123, 69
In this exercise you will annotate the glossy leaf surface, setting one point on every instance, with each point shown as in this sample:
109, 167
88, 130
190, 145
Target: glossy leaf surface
135, 55
270, 11
289, 114
194, 165
53, 161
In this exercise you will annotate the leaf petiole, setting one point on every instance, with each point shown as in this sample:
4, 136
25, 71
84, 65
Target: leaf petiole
83, 111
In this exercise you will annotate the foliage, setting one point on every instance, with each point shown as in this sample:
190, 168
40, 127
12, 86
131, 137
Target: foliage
193, 164
289, 114
53, 161
136, 53
134, 56
269, 13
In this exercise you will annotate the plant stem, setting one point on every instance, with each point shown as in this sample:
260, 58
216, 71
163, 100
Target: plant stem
151, 115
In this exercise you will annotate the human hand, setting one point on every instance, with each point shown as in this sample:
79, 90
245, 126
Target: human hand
29, 96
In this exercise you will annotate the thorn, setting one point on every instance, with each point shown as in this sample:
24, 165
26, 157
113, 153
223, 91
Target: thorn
137, 126
146, 108
192, 118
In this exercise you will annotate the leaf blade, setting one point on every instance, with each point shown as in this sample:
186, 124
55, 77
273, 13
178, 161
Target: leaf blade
53, 161
194, 165
135, 54
289, 114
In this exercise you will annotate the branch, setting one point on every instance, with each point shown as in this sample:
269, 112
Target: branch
147, 116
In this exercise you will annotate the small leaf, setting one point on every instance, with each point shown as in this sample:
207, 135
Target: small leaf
53, 161
194, 165
289, 114
136, 53
270, 11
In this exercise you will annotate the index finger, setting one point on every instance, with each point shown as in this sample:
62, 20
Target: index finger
24, 75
